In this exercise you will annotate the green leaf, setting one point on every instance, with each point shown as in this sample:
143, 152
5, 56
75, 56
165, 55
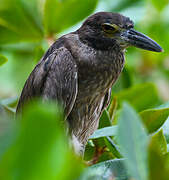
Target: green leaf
41, 150
99, 142
160, 5
112, 169
124, 5
105, 156
6, 111
34, 12
140, 96
39, 52
89, 151
112, 147
113, 108
17, 22
3, 60
132, 140
158, 163
10, 102
59, 15
8, 133
107, 131
127, 78
18, 68
163, 106
165, 128
159, 139
10, 111
154, 118
104, 120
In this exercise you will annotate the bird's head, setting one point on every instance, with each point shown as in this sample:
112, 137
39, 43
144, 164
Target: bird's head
105, 29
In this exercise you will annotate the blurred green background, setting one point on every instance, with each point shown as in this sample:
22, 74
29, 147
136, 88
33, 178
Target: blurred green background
36, 147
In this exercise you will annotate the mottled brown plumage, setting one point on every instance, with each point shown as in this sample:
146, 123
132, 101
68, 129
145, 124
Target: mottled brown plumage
80, 68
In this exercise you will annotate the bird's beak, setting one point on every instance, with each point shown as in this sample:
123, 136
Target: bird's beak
137, 39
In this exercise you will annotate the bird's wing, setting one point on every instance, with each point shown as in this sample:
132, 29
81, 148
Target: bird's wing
53, 78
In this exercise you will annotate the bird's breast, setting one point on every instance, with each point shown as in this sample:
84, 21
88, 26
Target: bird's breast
97, 74
94, 81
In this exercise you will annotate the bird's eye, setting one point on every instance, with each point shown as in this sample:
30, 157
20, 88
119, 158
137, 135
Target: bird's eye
109, 28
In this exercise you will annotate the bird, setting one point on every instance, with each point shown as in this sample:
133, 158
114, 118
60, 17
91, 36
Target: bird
80, 68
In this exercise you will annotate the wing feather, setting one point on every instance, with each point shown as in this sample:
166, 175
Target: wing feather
53, 78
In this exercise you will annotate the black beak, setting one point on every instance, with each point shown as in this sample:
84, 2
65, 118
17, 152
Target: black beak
140, 40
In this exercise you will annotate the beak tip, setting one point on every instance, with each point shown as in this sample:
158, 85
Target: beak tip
156, 48
162, 50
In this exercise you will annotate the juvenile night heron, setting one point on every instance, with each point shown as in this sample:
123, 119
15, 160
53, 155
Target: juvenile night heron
79, 69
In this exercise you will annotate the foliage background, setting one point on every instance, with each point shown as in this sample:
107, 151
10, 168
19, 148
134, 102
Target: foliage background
27, 28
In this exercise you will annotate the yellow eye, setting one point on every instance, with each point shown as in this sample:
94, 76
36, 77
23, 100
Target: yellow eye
109, 28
